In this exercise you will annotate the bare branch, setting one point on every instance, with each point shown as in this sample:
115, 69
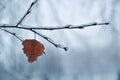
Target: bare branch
32, 29
69, 26
49, 40
57, 28
28, 11
11, 33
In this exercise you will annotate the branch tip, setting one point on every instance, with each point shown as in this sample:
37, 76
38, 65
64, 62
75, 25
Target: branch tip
28, 12
65, 48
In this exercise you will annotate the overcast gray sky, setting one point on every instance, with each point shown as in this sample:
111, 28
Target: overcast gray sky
93, 53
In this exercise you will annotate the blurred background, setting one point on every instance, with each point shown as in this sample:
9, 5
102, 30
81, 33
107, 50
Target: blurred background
93, 53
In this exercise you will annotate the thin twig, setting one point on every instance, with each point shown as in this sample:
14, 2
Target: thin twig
11, 33
49, 40
68, 26
56, 28
28, 11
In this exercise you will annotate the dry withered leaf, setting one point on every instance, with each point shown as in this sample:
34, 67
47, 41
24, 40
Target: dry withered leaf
32, 49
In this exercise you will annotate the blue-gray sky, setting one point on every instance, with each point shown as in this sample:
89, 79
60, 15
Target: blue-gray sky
93, 52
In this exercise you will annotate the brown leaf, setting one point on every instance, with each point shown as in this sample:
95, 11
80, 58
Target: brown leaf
32, 49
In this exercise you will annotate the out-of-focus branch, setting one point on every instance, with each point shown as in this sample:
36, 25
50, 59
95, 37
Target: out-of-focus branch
28, 11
